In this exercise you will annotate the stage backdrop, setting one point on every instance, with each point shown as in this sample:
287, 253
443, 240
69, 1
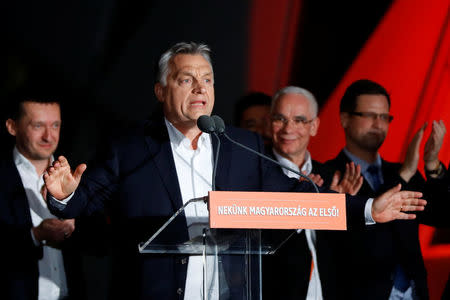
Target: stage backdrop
408, 52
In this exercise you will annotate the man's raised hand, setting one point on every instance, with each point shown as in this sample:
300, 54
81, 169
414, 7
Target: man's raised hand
393, 205
433, 145
350, 183
59, 179
409, 166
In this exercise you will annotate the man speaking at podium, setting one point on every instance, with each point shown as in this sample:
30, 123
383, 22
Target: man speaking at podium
154, 170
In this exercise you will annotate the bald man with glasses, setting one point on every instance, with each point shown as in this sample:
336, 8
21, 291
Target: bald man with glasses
300, 264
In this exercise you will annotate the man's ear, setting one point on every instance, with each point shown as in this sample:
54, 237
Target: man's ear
345, 118
11, 127
315, 126
159, 92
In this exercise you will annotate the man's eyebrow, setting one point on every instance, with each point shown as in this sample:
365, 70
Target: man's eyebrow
185, 73
209, 73
189, 73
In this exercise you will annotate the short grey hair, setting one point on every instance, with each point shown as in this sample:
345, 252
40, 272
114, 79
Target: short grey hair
180, 48
300, 91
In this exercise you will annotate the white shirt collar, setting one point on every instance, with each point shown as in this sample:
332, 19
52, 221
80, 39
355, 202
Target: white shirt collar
177, 139
306, 167
364, 164
20, 160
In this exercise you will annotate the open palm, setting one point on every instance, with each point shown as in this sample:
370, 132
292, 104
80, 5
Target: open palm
393, 205
59, 179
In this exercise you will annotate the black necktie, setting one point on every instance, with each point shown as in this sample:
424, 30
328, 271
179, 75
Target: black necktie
372, 171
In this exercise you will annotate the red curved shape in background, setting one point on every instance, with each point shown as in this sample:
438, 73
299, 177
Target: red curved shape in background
409, 54
273, 29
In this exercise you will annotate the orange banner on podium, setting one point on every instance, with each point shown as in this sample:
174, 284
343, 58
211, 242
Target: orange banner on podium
267, 210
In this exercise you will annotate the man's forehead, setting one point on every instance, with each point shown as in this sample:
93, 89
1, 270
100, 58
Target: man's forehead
31, 108
372, 100
188, 63
35, 104
293, 101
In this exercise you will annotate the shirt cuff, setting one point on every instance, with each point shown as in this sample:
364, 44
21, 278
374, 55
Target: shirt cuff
368, 212
35, 241
59, 204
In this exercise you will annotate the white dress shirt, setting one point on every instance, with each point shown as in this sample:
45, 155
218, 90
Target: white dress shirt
314, 287
52, 277
194, 172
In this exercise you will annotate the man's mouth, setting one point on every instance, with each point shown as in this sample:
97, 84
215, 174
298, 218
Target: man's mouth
198, 103
376, 133
288, 139
46, 146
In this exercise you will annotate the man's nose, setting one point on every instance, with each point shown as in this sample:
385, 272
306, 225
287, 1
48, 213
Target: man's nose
288, 125
378, 122
199, 87
47, 135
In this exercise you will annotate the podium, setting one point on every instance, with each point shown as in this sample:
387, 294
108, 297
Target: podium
231, 258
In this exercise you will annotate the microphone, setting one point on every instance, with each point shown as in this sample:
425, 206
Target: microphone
206, 124
219, 124
219, 129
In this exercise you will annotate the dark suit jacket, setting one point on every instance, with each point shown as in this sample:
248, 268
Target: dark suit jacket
286, 273
366, 259
137, 176
439, 188
19, 272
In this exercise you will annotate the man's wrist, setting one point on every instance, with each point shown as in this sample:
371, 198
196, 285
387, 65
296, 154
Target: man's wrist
432, 166
435, 171
406, 175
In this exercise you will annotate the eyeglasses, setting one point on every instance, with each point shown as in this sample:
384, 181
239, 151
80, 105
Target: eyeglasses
299, 121
373, 116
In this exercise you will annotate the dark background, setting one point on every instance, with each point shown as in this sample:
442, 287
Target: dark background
99, 56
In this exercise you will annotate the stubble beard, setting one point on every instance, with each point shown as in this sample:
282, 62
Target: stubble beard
372, 141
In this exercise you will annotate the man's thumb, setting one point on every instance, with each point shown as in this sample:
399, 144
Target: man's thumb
79, 171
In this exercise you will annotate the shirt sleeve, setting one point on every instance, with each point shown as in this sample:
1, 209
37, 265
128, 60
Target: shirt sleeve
35, 241
368, 212
59, 204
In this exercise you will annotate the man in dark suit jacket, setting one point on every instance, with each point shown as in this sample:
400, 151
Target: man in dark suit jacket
438, 179
33, 264
294, 121
382, 260
150, 173
438, 185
